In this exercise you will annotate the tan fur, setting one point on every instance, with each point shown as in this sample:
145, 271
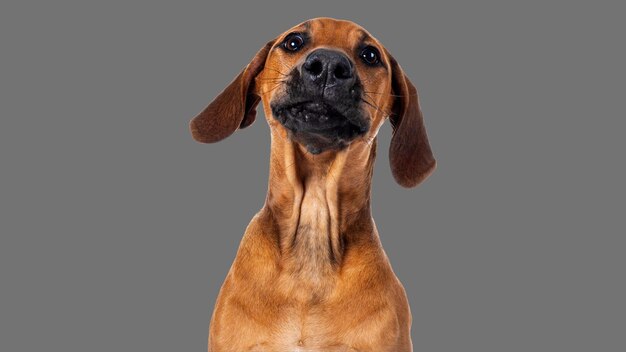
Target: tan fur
310, 273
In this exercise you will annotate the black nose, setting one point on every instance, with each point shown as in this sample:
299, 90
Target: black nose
328, 68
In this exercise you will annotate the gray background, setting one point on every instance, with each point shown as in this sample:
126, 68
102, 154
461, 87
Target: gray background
117, 229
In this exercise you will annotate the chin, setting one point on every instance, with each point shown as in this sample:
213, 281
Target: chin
319, 125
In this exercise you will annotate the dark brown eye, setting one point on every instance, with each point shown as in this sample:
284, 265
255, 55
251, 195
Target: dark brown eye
293, 42
370, 56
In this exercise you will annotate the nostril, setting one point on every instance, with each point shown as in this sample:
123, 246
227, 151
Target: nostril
314, 67
342, 72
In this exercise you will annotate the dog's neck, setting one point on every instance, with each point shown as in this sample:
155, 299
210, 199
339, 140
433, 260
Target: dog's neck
316, 200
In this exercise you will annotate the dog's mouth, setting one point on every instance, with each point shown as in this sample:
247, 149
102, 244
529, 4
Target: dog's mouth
319, 125
318, 116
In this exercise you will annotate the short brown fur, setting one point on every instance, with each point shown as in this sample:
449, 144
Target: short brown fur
310, 273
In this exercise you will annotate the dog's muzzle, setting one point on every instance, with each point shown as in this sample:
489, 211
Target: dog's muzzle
322, 103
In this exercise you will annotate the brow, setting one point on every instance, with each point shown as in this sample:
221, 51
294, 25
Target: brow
363, 36
304, 28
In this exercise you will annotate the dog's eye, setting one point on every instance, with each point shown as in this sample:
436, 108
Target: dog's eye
293, 42
370, 56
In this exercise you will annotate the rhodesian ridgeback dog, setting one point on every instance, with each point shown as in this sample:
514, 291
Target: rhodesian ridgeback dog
310, 273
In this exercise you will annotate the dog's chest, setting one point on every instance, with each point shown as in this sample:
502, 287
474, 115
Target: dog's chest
304, 333
336, 332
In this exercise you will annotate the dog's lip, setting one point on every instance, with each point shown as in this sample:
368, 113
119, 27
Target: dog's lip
313, 111
319, 115
314, 106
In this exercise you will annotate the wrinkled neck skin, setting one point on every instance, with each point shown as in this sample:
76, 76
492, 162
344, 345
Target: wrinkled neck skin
320, 204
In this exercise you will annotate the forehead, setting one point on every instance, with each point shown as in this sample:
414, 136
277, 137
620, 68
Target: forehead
331, 32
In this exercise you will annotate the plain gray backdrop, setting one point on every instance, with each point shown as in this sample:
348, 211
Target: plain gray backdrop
117, 229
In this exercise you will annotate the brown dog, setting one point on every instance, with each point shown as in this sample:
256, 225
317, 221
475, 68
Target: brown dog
310, 273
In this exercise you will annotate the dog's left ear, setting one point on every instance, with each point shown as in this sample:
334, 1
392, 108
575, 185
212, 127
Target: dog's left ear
234, 107
410, 156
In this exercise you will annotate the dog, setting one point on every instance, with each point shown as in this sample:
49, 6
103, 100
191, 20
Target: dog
310, 273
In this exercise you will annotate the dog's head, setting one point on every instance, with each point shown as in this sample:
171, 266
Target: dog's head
327, 84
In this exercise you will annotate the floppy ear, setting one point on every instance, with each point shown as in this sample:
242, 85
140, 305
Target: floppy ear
410, 156
234, 107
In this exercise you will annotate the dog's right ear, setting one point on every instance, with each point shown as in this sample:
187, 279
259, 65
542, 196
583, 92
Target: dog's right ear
234, 107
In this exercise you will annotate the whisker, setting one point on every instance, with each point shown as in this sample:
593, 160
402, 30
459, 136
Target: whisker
285, 65
392, 95
370, 104
290, 165
271, 89
275, 70
271, 80
372, 100
375, 107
